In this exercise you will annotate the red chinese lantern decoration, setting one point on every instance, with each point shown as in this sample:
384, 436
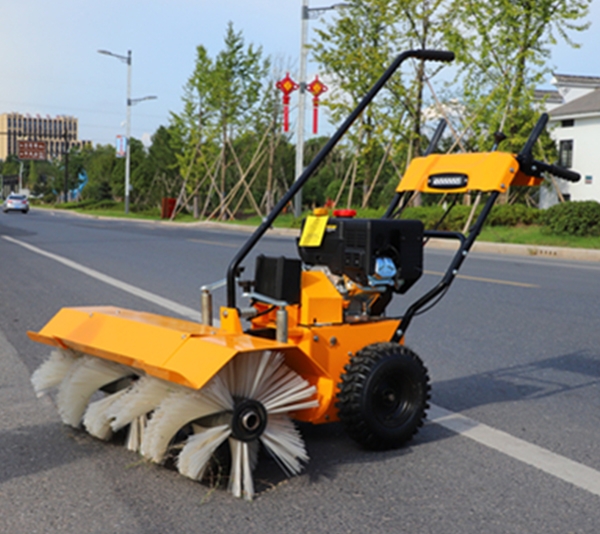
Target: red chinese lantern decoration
287, 86
317, 88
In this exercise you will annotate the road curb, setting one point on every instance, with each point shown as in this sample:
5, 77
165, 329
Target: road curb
486, 247
565, 253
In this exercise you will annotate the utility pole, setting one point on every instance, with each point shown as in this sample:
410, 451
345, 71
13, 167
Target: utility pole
301, 103
128, 134
305, 15
130, 102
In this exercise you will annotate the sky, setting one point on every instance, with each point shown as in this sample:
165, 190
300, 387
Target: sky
49, 63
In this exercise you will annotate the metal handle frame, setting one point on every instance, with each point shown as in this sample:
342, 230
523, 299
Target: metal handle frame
466, 241
232, 270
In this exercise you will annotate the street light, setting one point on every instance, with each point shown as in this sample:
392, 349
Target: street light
130, 102
306, 14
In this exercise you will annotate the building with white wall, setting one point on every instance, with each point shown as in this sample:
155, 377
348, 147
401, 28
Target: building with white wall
574, 110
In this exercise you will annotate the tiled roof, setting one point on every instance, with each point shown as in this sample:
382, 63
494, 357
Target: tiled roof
589, 103
576, 81
551, 96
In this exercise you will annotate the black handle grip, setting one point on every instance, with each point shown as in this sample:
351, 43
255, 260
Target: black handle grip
561, 172
434, 55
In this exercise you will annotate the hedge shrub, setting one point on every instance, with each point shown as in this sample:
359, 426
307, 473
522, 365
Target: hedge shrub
513, 215
578, 218
501, 215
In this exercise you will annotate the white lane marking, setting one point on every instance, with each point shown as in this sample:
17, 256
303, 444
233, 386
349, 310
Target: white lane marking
217, 243
488, 280
133, 290
579, 475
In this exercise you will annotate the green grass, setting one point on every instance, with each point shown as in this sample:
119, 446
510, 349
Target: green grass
524, 235
534, 235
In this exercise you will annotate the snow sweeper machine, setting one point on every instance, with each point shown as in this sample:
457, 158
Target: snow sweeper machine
314, 344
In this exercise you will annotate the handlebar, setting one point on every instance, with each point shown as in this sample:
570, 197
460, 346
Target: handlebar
535, 167
561, 172
434, 55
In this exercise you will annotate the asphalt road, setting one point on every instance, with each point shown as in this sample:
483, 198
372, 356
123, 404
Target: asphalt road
513, 352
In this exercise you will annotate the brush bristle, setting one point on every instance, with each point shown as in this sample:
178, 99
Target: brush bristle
265, 377
285, 444
177, 410
199, 448
96, 420
53, 371
85, 376
136, 433
141, 398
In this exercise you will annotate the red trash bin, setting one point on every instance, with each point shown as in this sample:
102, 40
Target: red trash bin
167, 207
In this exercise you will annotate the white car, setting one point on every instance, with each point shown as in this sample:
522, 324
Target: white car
15, 202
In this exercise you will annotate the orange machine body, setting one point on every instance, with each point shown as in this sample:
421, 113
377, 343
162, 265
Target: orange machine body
321, 337
187, 353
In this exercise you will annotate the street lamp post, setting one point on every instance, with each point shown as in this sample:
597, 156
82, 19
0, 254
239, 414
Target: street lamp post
130, 101
128, 133
306, 14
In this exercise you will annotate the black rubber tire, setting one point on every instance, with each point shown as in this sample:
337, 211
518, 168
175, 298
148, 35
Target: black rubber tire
383, 396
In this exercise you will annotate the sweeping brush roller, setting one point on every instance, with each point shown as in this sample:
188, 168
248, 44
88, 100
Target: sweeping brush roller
245, 404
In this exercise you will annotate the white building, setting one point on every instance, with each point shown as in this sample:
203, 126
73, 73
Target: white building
574, 110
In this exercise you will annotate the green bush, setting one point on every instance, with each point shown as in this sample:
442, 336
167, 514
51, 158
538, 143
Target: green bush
429, 215
76, 204
102, 205
573, 218
501, 215
513, 215
89, 204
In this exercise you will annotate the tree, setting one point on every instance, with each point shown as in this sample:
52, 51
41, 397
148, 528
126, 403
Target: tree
503, 47
11, 165
220, 101
99, 164
355, 49
422, 23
